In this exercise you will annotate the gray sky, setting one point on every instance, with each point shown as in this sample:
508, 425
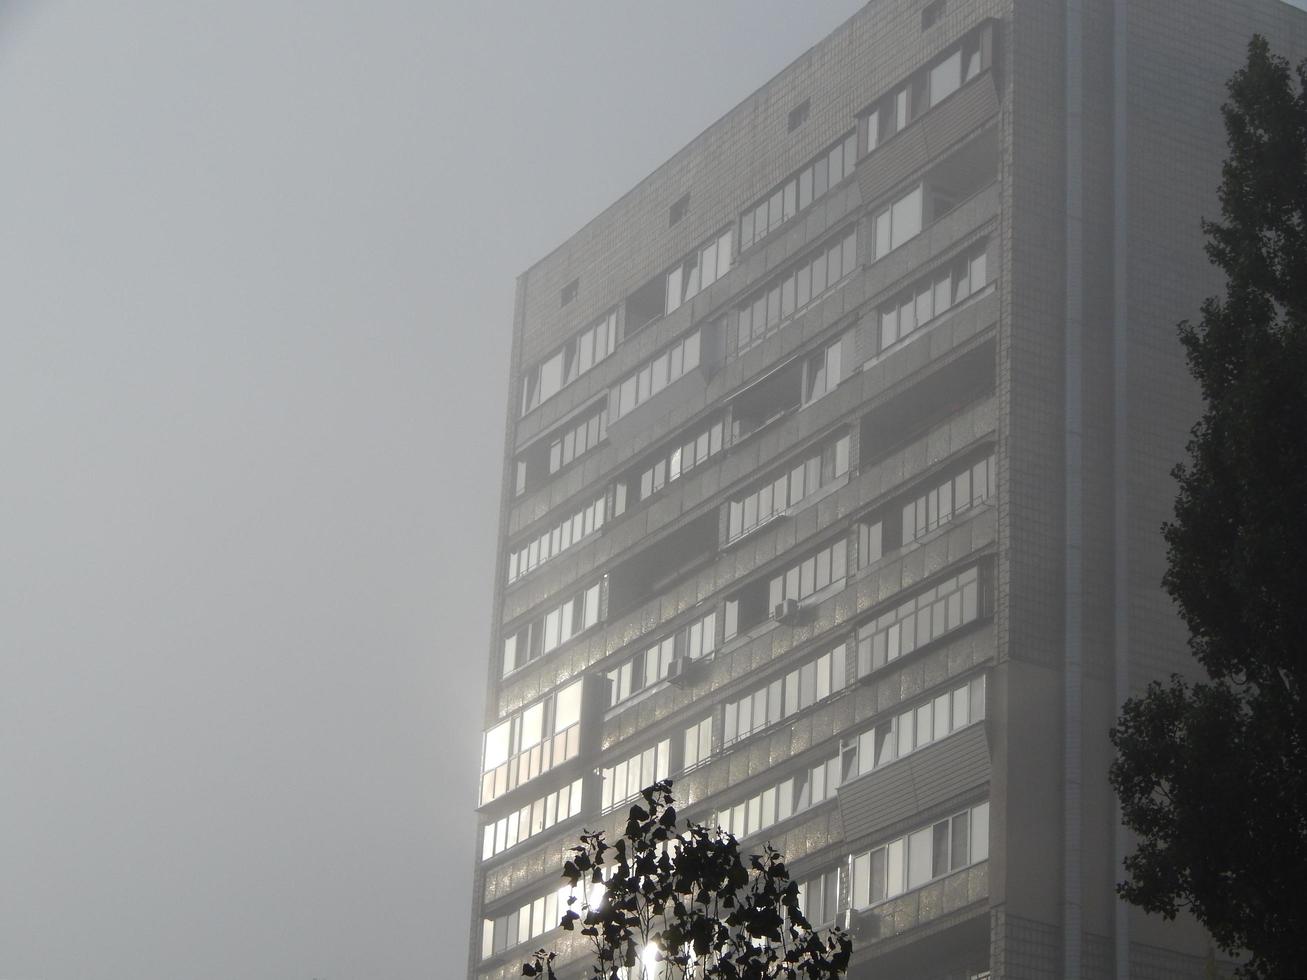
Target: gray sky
256, 284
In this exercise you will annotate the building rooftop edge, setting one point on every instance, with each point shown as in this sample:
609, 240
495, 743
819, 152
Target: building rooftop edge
688, 146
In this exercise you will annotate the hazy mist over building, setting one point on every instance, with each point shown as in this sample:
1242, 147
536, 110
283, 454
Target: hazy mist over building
837, 451
258, 349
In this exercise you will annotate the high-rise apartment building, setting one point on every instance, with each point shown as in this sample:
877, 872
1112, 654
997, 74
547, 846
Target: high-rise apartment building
837, 452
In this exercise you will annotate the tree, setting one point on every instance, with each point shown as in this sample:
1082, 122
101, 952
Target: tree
684, 904
1212, 776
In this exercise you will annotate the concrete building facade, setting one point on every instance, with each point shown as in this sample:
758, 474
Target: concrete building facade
836, 455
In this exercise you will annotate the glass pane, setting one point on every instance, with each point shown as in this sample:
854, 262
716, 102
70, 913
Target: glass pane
709, 265
942, 715
876, 875
861, 897
978, 698
925, 304
946, 77
925, 729
567, 708
906, 731
894, 868
775, 213
673, 299
919, 858
823, 570
907, 217
980, 832
939, 849
884, 743
961, 708
959, 856
882, 234
889, 326
943, 295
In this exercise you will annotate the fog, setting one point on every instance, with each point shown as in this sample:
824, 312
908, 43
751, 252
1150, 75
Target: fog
256, 286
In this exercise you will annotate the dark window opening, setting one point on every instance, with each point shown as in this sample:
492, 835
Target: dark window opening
767, 400
799, 114
678, 209
570, 291
747, 608
652, 571
545, 457
645, 305
931, 13
969, 170
930, 401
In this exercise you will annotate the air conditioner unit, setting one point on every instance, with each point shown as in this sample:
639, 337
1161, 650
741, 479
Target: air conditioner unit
786, 611
680, 671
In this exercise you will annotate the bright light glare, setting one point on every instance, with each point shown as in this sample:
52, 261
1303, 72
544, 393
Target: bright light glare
649, 959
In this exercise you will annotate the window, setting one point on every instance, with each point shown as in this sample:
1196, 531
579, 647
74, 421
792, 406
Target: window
919, 857
708, 264
766, 311
533, 818
577, 356
926, 88
624, 781
925, 617
565, 366
821, 372
932, 296
898, 222
698, 744
670, 465
531, 741
870, 542
545, 634
814, 573
799, 114
533, 919
570, 291
787, 488
578, 440
819, 898
800, 190
813, 785
946, 77
871, 126
650, 665
545, 457
679, 209
919, 726
968, 487
669, 366
557, 539
786, 695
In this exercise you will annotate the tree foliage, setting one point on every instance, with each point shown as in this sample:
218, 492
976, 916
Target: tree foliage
685, 904
1212, 776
